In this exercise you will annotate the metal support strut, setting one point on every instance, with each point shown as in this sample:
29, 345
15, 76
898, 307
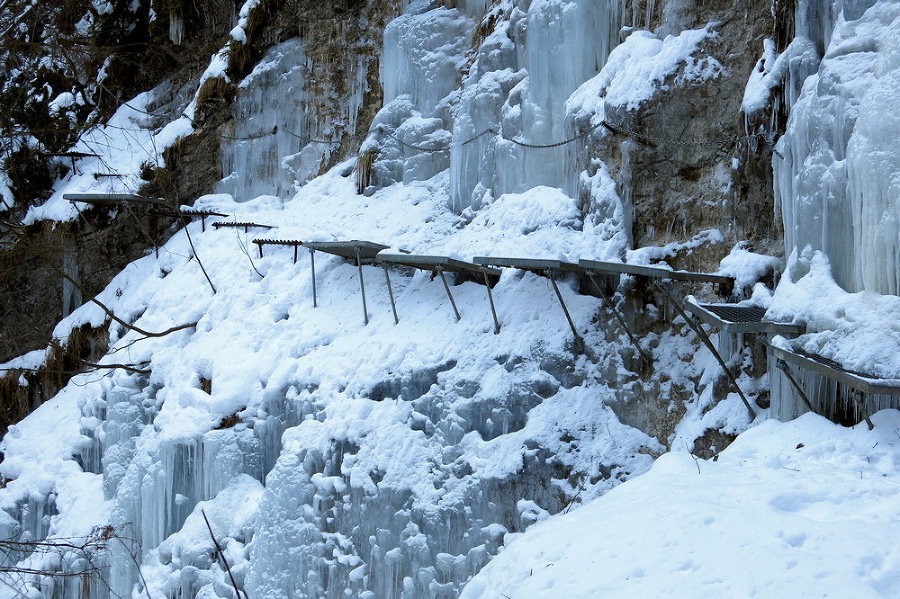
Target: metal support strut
647, 359
312, 264
387, 279
709, 344
861, 402
362, 286
579, 342
857, 395
487, 284
440, 272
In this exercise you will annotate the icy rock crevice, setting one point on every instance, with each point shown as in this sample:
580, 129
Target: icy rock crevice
642, 122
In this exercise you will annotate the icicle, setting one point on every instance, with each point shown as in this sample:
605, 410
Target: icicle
176, 29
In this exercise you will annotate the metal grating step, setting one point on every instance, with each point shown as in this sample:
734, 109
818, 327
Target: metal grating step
736, 313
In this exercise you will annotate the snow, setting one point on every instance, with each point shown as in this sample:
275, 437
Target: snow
29, 361
758, 90
798, 509
859, 330
638, 67
423, 400
748, 267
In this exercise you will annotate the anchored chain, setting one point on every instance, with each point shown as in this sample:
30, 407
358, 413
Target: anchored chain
614, 128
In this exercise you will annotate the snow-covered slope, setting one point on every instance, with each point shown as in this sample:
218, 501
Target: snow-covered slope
798, 509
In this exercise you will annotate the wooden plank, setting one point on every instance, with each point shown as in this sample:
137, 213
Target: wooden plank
538, 265
654, 272
841, 375
750, 322
444, 263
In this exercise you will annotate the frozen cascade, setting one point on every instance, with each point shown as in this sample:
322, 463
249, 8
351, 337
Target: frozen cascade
521, 89
837, 175
156, 484
269, 150
812, 26
422, 55
420, 69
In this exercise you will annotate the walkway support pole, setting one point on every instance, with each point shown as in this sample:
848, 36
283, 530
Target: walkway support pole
579, 342
709, 344
362, 286
487, 283
312, 264
387, 279
440, 272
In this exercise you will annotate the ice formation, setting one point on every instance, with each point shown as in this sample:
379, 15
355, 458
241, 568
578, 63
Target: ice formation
518, 91
269, 149
836, 167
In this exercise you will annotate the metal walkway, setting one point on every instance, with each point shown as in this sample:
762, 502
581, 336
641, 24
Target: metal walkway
187, 213
865, 389
295, 243
111, 198
246, 226
361, 252
731, 318
726, 284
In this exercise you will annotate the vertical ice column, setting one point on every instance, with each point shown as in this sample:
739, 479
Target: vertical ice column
71, 295
424, 51
873, 172
423, 54
837, 174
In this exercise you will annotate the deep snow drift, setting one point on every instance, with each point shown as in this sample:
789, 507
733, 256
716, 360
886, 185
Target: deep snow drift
801, 509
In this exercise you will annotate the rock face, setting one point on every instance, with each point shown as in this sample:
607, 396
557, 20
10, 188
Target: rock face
394, 461
681, 158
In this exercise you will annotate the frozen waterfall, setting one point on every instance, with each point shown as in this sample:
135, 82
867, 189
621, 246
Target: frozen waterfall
836, 168
519, 90
270, 149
